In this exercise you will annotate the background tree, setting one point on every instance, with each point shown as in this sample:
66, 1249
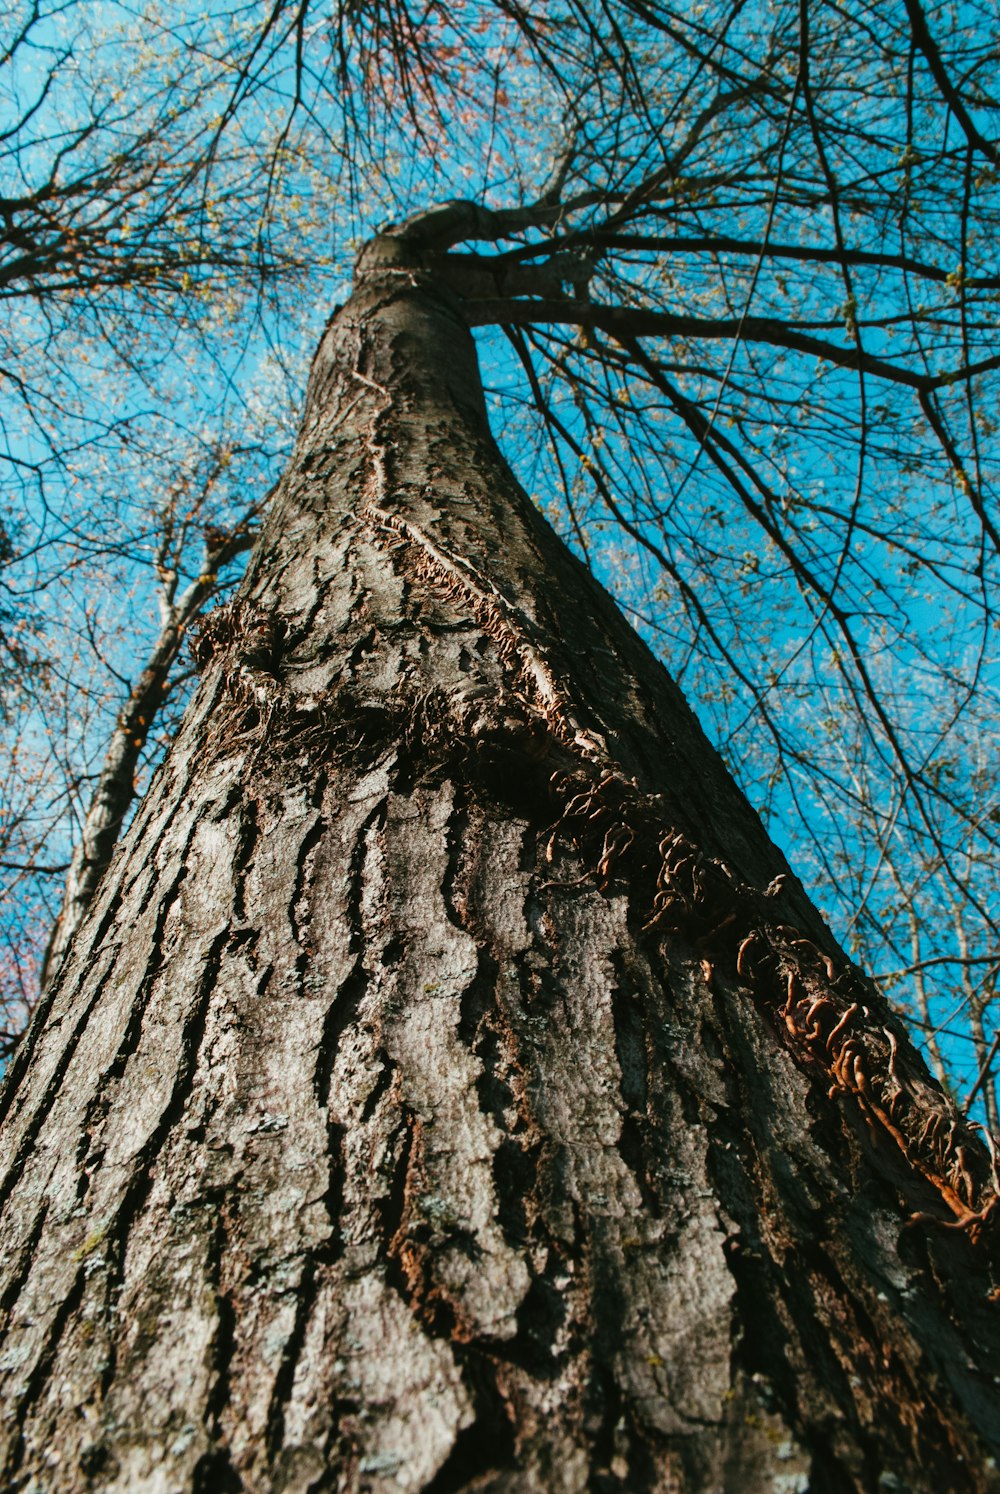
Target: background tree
135, 260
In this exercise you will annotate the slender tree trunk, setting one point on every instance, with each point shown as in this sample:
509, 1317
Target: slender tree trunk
114, 792
447, 1088
111, 800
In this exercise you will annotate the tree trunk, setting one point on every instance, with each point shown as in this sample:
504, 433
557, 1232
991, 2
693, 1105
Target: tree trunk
114, 792
448, 1088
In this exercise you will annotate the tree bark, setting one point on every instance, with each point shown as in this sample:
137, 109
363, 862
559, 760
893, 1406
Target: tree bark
449, 1087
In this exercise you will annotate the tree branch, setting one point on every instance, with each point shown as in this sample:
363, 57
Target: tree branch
630, 322
928, 46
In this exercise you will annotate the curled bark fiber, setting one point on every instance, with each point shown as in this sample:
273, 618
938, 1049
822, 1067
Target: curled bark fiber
450, 1087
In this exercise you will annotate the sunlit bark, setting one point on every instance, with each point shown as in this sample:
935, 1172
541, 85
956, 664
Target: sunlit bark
448, 1087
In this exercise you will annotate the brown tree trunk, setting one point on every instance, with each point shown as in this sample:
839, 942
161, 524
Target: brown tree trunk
114, 791
447, 1088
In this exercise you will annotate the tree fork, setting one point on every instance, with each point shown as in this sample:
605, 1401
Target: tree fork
449, 1086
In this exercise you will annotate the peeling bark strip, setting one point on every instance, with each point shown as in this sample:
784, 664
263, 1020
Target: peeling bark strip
862, 1056
449, 1087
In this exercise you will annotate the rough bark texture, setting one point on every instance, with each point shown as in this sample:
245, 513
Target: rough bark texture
445, 1091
